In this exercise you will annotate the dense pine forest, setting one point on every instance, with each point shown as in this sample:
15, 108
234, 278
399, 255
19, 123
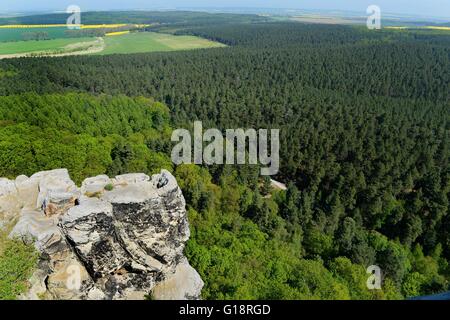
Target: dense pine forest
365, 145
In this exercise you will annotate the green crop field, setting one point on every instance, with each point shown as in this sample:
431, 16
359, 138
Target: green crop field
126, 43
151, 42
20, 47
19, 34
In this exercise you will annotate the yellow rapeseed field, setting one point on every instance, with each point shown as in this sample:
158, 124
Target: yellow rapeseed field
397, 28
102, 26
438, 28
116, 33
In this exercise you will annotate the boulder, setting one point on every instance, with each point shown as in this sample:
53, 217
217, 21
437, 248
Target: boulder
184, 284
9, 202
95, 185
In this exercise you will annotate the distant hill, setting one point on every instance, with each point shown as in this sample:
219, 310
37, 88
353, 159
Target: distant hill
137, 17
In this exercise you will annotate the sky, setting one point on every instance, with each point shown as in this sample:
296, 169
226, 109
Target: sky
431, 8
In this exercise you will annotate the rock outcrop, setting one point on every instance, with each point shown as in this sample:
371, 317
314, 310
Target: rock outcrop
119, 238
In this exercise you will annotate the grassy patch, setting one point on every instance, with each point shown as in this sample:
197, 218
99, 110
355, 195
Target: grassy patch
17, 261
109, 187
150, 42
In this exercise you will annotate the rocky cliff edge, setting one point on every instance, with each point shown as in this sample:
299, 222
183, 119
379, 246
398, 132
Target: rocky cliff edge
119, 238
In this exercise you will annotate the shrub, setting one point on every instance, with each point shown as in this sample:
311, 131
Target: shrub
109, 187
17, 261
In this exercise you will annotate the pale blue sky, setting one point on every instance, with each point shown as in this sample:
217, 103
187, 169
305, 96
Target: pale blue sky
438, 8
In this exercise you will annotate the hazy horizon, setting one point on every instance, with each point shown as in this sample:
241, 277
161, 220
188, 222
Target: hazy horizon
431, 8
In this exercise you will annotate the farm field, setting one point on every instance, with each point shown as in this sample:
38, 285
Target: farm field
151, 42
112, 43
325, 19
17, 34
19, 47
54, 31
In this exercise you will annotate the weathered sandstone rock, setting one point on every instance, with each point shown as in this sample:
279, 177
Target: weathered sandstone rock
119, 238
